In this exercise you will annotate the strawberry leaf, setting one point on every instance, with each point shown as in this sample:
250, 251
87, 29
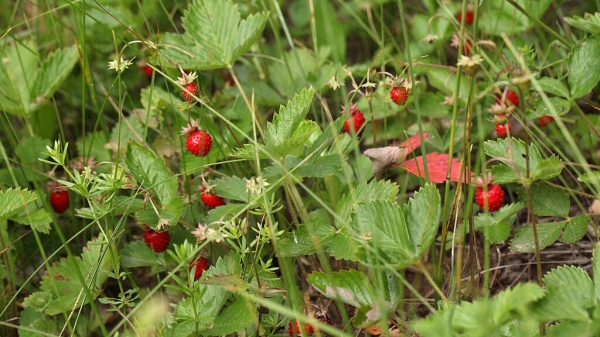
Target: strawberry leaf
349, 286
344, 244
584, 72
235, 317
319, 167
232, 188
554, 87
498, 223
547, 200
215, 35
26, 82
13, 200
137, 254
422, 217
151, 172
588, 23
75, 281
570, 293
289, 129
512, 152
547, 233
575, 229
168, 214
312, 236
199, 312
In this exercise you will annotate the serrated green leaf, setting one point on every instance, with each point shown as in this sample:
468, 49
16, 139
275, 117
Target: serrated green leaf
30, 149
343, 246
303, 67
203, 309
498, 223
250, 151
584, 71
547, 232
168, 214
561, 106
151, 172
349, 286
53, 71
224, 213
512, 152
290, 118
314, 234
570, 293
588, 23
547, 200
510, 300
383, 226
215, 35
318, 167
554, 87
570, 328
591, 178
20, 61
137, 254
374, 190
235, 317
299, 137
232, 188
63, 278
422, 217
13, 200
37, 218
575, 229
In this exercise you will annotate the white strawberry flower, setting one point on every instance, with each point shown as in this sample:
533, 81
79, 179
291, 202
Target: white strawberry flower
119, 65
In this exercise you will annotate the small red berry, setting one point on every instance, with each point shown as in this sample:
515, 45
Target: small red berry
502, 129
198, 142
201, 265
157, 241
147, 70
494, 196
545, 120
59, 200
508, 95
356, 122
294, 328
399, 95
211, 200
469, 17
189, 91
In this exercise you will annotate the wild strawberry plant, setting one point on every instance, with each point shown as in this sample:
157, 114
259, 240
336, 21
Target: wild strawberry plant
298, 168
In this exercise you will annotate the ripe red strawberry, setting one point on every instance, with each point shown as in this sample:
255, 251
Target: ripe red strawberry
508, 95
198, 142
399, 95
189, 91
502, 129
294, 328
59, 199
469, 17
494, 196
356, 122
187, 82
211, 200
157, 241
147, 70
201, 264
545, 120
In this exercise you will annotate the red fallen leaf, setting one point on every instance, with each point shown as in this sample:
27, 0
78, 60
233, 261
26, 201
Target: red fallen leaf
395, 156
